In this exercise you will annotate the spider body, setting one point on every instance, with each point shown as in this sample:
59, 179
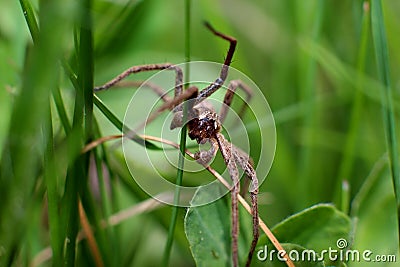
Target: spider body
204, 125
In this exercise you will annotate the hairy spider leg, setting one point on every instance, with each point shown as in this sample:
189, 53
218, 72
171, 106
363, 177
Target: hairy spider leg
245, 163
204, 157
256, 223
149, 67
189, 93
230, 153
230, 156
206, 92
154, 87
226, 151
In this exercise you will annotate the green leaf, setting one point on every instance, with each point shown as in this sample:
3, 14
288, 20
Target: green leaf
208, 230
317, 228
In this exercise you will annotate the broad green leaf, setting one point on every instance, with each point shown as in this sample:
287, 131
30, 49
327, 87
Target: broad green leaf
208, 230
317, 228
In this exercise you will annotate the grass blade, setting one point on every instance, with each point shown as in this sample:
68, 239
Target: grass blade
308, 94
53, 198
355, 116
85, 66
30, 19
62, 113
120, 126
19, 172
382, 60
182, 145
77, 175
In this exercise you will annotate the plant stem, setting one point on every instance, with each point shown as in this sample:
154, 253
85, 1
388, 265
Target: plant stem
309, 122
30, 19
355, 116
82, 125
382, 59
182, 145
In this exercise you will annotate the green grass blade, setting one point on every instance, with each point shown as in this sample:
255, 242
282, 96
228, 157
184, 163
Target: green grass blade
53, 198
30, 18
62, 113
355, 116
182, 145
382, 60
77, 175
120, 126
85, 65
308, 94
50, 173
34, 31
108, 113
19, 171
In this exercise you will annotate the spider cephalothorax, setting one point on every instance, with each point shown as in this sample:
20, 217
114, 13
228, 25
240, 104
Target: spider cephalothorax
203, 128
203, 122
206, 125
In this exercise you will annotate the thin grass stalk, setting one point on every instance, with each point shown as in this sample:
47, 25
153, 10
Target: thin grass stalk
107, 236
30, 116
182, 144
77, 175
76, 170
33, 27
120, 126
53, 198
70, 204
49, 156
62, 113
30, 18
105, 206
383, 68
309, 95
86, 66
355, 116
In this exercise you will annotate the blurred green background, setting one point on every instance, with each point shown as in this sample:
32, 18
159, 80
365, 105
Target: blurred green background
314, 62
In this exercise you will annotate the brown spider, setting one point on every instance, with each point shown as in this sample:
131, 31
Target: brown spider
204, 125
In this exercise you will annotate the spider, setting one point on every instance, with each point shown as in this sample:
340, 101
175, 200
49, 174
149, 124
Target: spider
204, 126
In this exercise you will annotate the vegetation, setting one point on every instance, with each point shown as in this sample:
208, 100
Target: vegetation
329, 70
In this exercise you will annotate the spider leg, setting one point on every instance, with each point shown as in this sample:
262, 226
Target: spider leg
232, 86
226, 150
154, 87
206, 92
142, 68
204, 157
179, 94
244, 162
189, 93
256, 233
